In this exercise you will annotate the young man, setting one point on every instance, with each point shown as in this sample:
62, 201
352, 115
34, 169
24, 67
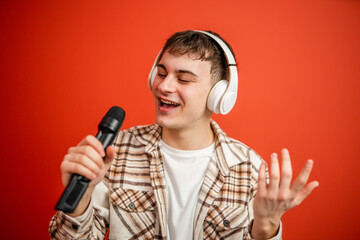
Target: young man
183, 177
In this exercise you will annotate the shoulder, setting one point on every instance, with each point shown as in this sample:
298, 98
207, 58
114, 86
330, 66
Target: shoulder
141, 134
250, 154
234, 151
248, 166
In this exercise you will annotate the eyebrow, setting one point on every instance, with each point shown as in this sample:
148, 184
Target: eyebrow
179, 71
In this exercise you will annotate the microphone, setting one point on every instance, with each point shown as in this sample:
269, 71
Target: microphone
107, 130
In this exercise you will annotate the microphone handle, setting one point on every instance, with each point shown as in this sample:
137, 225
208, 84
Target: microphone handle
78, 184
72, 194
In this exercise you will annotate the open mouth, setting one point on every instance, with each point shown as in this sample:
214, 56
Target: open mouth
168, 104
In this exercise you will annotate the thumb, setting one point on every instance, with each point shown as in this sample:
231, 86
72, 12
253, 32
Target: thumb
110, 154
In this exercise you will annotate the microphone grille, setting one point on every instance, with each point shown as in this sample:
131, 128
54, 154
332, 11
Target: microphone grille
117, 113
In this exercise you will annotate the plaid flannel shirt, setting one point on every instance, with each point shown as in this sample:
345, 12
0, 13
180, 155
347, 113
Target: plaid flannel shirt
131, 199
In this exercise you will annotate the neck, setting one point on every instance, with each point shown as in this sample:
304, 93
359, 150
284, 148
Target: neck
194, 138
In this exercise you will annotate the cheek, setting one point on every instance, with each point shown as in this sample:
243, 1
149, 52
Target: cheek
198, 98
155, 86
205, 91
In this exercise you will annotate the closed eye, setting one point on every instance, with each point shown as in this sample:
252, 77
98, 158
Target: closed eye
161, 75
161, 71
183, 81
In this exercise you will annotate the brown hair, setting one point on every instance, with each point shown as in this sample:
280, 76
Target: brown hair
201, 47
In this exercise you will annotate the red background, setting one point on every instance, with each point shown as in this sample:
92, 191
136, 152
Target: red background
63, 64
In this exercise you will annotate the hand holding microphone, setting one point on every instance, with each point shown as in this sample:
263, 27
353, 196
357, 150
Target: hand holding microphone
87, 159
88, 162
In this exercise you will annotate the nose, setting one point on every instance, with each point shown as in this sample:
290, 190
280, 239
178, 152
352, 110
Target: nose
167, 84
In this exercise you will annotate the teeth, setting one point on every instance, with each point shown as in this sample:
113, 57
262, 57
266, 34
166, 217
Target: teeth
168, 102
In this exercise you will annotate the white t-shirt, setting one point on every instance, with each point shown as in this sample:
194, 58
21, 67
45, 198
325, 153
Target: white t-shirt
184, 174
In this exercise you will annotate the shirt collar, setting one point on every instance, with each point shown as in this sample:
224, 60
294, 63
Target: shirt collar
228, 151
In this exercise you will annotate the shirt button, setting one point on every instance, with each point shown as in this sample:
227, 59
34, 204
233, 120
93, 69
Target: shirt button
75, 227
226, 223
131, 205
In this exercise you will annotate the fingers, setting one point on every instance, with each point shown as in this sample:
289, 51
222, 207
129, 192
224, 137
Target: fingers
274, 174
86, 152
68, 167
286, 170
86, 159
309, 188
262, 180
93, 163
303, 177
280, 195
95, 143
110, 154
304, 192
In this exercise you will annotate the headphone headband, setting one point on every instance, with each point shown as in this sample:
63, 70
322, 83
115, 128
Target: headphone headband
228, 98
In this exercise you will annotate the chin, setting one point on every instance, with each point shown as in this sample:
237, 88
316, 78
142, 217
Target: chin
165, 123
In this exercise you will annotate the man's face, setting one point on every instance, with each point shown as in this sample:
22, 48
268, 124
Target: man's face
180, 91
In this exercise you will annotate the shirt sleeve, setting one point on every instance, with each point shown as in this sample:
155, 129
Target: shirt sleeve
279, 234
92, 224
256, 161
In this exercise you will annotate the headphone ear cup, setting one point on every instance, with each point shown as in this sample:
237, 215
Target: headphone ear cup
215, 95
152, 76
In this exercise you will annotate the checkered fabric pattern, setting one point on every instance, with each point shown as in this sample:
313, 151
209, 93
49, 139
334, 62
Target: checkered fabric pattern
131, 200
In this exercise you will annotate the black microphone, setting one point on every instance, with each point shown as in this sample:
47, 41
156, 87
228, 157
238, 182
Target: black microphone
108, 128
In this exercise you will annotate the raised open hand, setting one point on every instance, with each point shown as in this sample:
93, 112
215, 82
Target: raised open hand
274, 199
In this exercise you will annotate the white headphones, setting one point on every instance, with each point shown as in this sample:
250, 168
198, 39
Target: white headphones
222, 96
